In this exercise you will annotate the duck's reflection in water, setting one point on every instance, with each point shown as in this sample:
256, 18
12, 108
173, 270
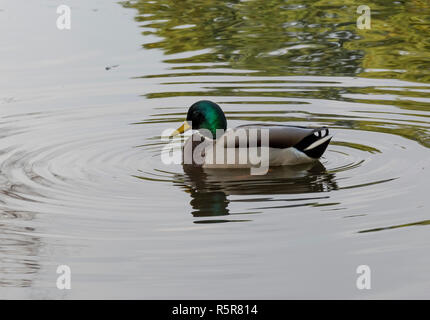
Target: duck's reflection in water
210, 188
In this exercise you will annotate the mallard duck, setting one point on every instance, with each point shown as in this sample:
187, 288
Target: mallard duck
287, 145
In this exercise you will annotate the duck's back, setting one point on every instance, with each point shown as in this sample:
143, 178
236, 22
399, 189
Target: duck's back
282, 136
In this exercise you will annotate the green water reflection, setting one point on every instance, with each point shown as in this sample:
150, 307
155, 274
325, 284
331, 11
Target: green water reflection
307, 38
299, 37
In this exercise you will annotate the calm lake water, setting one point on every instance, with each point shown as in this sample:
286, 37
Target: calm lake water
82, 183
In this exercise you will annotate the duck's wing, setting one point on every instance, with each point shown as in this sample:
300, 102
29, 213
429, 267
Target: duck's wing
283, 136
312, 141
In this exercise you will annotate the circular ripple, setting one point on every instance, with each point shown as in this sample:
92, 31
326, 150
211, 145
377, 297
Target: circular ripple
104, 163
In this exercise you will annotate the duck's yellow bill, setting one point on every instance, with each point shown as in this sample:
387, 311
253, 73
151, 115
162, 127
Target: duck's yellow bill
185, 127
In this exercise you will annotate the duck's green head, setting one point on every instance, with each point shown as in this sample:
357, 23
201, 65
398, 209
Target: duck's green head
204, 115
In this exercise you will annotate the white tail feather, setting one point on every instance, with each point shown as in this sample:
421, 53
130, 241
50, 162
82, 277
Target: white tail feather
318, 142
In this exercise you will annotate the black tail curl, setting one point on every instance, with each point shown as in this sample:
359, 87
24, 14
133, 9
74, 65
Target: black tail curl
318, 150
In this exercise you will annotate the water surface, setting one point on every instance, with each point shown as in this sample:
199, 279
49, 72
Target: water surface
82, 182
